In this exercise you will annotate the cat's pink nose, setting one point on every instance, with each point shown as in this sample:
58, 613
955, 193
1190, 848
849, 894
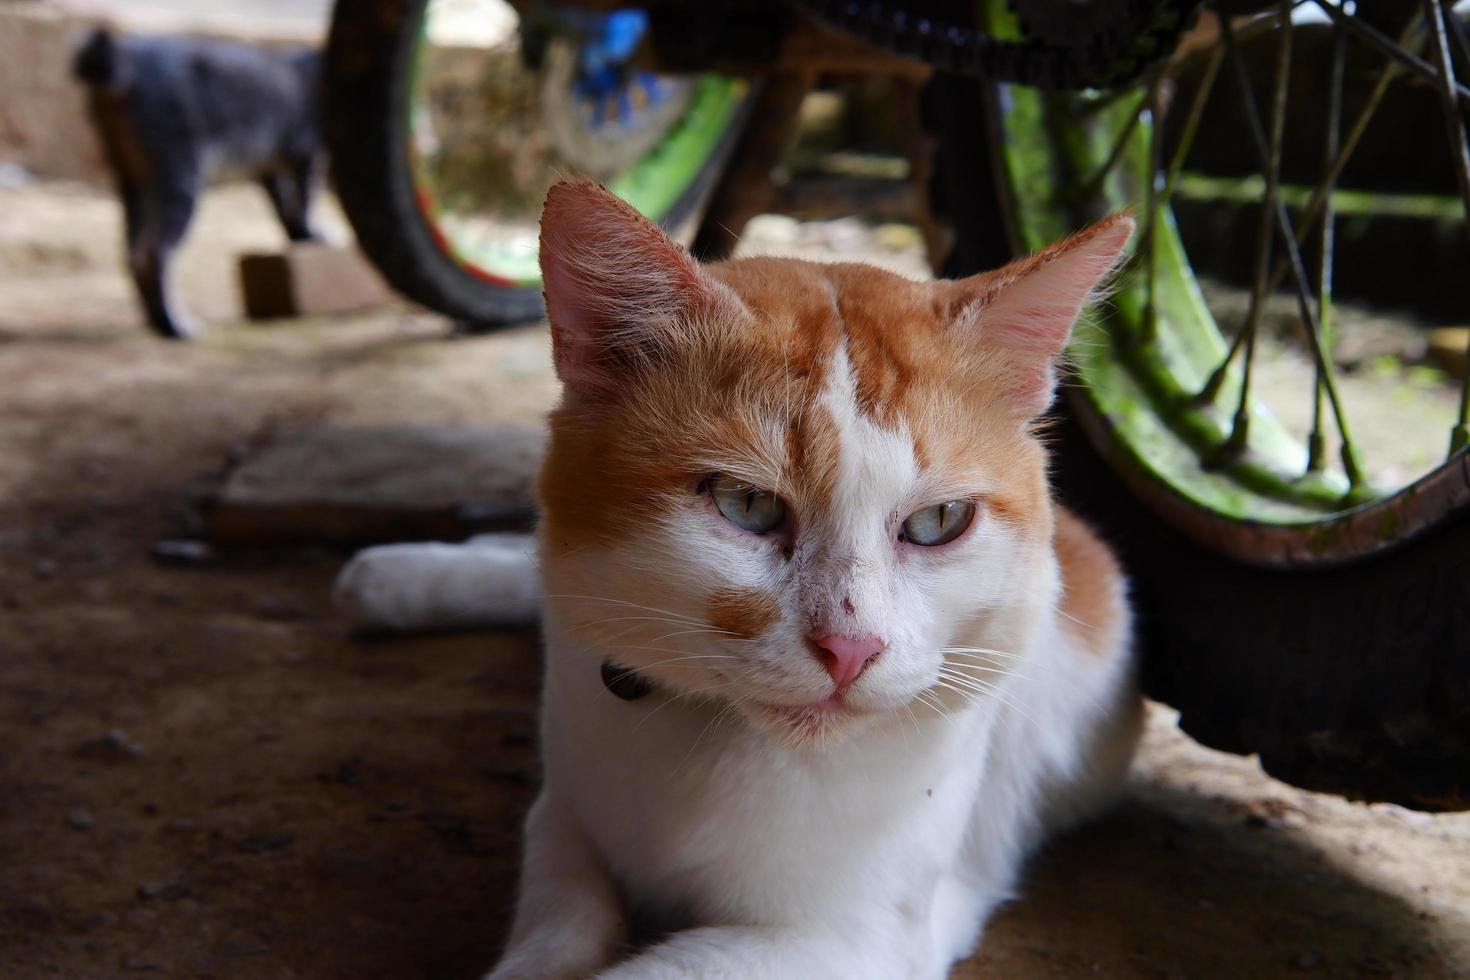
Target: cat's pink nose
844, 656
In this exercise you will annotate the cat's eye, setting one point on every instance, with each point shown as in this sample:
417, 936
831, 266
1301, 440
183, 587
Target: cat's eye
748, 508
939, 524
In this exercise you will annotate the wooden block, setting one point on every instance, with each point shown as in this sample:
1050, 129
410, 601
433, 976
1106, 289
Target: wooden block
1447, 348
310, 279
366, 484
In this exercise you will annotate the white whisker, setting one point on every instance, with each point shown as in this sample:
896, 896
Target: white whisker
624, 602
976, 684
679, 697
1079, 622
927, 699
968, 697
719, 633
1004, 671
1000, 669
638, 619
686, 655
993, 653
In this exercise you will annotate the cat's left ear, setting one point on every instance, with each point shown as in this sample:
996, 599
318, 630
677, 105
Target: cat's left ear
1022, 314
619, 292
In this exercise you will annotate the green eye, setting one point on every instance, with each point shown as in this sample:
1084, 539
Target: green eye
748, 508
939, 524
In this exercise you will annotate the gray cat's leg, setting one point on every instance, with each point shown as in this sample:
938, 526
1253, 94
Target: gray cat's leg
157, 217
291, 190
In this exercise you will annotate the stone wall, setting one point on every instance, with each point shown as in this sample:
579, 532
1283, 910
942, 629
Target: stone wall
43, 115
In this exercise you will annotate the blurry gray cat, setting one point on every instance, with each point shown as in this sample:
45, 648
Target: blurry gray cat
174, 112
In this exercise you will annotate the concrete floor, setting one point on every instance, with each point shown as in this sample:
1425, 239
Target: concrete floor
205, 776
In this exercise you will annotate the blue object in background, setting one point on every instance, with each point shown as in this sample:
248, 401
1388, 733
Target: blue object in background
608, 43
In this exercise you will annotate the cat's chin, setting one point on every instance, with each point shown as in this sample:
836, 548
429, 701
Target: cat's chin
813, 727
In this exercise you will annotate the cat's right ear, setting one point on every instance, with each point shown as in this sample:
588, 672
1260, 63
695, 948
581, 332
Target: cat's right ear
618, 290
1023, 313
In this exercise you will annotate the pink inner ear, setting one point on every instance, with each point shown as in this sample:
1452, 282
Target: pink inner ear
609, 274
1026, 310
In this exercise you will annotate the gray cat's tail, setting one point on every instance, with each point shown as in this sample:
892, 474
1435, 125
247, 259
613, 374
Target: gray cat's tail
101, 62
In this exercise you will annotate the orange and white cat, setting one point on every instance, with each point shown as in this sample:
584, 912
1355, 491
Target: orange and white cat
824, 662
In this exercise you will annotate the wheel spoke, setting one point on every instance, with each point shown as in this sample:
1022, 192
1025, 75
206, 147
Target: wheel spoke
1462, 44
1229, 45
1235, 443
1120, 145
1159, 198
1150, 253
1282, 234
1316, 441
1455, 131
1320, 194
1460, 435
1377, 39
1191, 123
1091, 104
1274, 211
1287, 477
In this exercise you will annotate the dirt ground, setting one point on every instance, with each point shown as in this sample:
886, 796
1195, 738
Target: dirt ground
205, 776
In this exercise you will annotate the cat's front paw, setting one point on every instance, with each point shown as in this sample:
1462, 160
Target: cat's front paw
382, 588
175, 325
490, 580
571, 960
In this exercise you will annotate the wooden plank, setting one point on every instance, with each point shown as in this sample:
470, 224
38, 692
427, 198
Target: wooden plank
367, 484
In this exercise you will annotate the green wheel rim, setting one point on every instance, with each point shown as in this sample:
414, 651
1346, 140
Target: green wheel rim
653, 185
1140, 376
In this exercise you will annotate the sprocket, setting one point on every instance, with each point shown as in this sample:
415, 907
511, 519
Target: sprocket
1107, 47
1121, 37
1072, 22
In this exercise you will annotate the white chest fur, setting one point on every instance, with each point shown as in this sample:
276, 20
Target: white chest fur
907, 833
695, 809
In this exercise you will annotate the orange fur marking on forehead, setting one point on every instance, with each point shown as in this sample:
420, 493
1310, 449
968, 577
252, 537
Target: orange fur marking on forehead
812, 447
798, 322
746, 613
891, 328
910, 369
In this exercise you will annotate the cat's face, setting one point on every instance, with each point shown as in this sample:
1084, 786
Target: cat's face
795, 487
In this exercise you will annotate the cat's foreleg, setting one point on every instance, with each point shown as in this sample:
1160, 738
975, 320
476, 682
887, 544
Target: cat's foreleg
156, 222
569, 920
157, 218
291, 190
856, 951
